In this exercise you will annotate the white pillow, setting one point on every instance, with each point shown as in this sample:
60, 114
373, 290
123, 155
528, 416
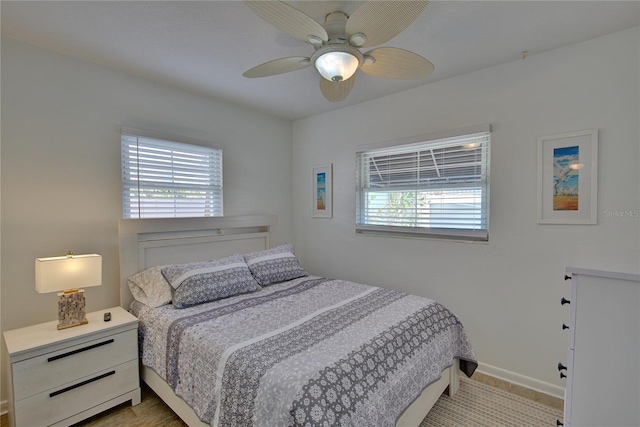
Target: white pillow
150, 287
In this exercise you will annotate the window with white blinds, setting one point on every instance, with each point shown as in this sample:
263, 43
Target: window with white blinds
435, 188
167, 179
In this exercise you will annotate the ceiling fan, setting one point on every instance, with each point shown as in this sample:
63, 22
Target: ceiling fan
338, 40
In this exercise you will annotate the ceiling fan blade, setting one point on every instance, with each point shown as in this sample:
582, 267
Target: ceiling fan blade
336, 92
395, 63
278, 66
380, 21
288, 19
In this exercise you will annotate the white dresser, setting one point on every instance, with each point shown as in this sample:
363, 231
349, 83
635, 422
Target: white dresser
603, 358
60, 377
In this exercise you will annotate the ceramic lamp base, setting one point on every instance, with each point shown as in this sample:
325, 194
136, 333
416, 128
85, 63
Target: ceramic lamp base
71, 310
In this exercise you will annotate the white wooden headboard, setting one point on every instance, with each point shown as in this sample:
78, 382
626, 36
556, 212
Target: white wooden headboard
146, 243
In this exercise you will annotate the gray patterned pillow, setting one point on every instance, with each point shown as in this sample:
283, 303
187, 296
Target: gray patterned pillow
274, 265
199, 282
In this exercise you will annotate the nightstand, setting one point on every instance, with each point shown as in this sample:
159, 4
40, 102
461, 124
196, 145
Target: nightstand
60, 377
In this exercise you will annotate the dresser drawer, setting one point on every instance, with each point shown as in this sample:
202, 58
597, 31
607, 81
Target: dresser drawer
56, 404
51, 370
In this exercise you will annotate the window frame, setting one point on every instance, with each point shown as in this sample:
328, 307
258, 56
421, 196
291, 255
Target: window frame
173, 142
437, 139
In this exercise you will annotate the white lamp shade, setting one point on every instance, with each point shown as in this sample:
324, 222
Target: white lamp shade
337, 66
60, 273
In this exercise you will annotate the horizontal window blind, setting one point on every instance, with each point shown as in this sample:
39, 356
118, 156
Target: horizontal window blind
166, 179
436, 188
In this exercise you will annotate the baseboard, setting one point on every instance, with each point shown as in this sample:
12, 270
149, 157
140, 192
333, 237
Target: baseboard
524, 381
4, 407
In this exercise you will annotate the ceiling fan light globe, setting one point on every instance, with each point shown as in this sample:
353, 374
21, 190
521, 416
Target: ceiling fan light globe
337, 66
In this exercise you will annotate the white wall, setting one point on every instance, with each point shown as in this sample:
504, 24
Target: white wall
61, 187
507, 292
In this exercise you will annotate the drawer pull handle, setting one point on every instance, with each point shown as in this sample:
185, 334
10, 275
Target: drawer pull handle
566, 277
564, 326
559, 423
80, 350
564, 301
71, 387
561, 367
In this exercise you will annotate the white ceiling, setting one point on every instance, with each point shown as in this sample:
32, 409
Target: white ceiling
205, 46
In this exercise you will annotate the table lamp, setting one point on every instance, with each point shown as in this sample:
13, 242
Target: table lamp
68, 274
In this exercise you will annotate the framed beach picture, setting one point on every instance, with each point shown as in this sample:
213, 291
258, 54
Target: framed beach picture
568, 178
322, 191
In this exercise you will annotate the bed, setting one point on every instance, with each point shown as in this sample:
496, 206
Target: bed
302, 351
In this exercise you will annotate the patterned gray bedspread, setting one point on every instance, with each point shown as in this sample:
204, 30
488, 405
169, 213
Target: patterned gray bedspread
307, 352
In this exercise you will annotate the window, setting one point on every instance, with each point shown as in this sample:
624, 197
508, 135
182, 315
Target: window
167, 179
435, 188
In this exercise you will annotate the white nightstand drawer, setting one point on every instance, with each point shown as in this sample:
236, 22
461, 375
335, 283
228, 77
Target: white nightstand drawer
65, 366
63, 402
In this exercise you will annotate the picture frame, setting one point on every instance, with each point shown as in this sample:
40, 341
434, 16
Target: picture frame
323, 191
568, 178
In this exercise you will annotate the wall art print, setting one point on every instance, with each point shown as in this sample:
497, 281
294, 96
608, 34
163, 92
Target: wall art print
568, 178
322, 191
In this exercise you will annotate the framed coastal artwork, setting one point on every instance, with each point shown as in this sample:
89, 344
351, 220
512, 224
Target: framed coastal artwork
568, 178
322, 191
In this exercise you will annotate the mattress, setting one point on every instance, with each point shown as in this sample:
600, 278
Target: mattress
306, 352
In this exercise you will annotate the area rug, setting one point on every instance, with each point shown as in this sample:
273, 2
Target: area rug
477, 405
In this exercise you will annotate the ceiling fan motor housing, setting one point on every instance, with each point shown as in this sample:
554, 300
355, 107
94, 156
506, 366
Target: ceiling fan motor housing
335, 24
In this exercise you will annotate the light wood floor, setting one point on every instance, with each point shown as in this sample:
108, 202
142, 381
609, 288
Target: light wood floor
152, 411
